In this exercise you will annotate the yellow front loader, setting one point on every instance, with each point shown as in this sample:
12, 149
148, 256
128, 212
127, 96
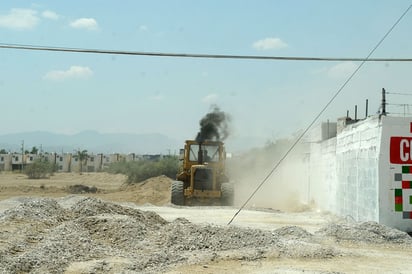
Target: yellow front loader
201, 178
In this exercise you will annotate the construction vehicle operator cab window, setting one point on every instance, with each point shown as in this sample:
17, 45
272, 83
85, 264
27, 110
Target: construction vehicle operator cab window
210, 153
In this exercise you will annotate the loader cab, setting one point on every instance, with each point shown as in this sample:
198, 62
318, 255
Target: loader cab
206, 153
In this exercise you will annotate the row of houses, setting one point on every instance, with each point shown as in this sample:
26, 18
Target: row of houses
68, 162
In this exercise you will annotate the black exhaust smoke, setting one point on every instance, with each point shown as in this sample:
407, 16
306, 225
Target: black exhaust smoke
214, 126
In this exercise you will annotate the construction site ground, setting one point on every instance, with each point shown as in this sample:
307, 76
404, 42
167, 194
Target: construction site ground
95, 223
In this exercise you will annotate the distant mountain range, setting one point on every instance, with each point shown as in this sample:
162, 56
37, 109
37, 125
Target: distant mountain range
92, 141
95, 142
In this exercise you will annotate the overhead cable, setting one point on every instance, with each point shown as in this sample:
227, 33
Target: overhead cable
399, 93
194, 55
398, 104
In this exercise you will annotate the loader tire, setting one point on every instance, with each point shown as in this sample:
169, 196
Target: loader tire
178, 197
228, 194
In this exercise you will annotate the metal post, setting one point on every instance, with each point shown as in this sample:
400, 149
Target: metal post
328, 130
356, 112
383, 102
22, 154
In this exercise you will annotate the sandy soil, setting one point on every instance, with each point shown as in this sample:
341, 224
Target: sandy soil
307, 242
109, 186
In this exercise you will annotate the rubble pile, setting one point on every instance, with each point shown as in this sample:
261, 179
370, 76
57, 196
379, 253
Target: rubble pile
88, 235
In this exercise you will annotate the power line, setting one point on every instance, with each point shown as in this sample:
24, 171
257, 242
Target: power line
193, 55
398, 104
319, 114
399, 93
400, 114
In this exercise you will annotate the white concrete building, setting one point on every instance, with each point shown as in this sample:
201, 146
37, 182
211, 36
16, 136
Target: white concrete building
5, 162
17, 161
365, 171
62, 160
67, 162
94, 163
110, 159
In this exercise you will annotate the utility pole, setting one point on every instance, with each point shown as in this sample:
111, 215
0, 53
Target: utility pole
22, 155
383, 102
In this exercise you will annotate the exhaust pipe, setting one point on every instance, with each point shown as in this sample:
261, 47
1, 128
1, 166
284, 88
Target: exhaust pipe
200, 155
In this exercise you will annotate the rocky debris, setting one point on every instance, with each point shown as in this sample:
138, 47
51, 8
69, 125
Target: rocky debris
293, 233
367, 232
88, 235
78, 188
300, 249
45, 210
181, 235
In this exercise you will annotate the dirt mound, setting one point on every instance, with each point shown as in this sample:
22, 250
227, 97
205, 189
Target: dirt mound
103, 185
154, 190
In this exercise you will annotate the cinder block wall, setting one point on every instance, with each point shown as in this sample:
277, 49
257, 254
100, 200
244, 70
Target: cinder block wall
357, 166
395, 172
366, 171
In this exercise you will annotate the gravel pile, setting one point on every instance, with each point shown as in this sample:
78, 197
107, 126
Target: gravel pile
367, 232
88, 235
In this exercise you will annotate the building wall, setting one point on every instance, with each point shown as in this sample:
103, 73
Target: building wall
395, 172
5, 162
30, 158
94, 163
63, 161
68, 162
366, 171
357, 170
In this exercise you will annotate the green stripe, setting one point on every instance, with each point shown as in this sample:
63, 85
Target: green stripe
398, 207
406, 169
398, 192
410, 200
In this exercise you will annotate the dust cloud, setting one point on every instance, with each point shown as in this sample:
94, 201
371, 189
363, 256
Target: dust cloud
286, 189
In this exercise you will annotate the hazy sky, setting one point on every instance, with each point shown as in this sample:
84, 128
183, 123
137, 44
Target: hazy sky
72, 92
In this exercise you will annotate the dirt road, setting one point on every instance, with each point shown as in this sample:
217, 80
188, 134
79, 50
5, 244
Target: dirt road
46, 228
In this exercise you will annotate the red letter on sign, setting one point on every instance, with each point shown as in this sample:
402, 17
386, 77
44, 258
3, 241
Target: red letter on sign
400, 150
404, 150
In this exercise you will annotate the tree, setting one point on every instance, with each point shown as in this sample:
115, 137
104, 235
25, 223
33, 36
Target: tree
138, 171
82, 157
3, 151
40, 168
34, 150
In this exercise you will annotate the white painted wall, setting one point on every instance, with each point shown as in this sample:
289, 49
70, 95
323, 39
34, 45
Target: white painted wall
395, 127
357, 168
355, 174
